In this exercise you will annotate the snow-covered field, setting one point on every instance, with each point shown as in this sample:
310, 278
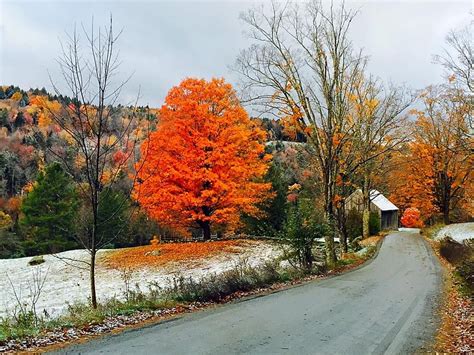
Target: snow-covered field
66, 284
458, 231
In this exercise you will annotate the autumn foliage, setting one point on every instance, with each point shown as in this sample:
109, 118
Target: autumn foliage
169, 253
205, 163
411, 218
434, 172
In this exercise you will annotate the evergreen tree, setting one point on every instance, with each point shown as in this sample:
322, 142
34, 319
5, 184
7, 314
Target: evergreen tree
49, 212
4, 121
274, 210
19, 120
113, 218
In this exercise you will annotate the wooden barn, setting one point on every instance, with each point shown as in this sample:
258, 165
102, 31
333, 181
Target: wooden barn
386, 210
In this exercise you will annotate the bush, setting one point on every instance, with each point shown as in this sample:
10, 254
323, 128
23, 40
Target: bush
461, 255
411, 218
214, 288
302, 227
36, 260
452, 251
466, 271
354, 224
374, 223
10, 245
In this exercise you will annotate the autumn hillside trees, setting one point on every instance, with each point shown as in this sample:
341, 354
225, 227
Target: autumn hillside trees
206, 161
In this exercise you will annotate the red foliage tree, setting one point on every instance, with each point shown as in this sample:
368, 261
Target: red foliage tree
205, 163
412, 218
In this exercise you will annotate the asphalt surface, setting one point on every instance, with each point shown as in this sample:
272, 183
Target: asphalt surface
385, 307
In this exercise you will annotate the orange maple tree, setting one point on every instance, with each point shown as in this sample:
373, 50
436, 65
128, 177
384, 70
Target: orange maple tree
205, 163
411, 218
435, 173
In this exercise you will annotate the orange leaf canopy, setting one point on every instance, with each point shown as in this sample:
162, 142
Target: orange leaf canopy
205, 162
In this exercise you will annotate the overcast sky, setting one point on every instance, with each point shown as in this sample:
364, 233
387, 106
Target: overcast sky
166, 41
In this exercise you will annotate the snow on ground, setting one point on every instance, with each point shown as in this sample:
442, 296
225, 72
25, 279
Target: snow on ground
458, 231
66, 284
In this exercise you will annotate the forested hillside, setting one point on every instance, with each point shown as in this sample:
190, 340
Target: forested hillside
30, 141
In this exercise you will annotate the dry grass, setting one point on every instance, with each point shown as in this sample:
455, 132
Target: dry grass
167, 253
371, 241
455, 333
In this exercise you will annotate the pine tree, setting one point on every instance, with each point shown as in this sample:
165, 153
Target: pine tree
49, 211
113, 217
275, 209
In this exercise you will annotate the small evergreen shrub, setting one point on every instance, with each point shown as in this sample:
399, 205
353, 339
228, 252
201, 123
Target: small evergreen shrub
354, 224
374, 223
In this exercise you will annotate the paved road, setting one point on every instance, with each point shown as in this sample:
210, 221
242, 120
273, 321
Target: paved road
384, 307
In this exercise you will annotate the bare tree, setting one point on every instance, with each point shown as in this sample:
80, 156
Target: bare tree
303, 66
458, 61
98, 128
458, 58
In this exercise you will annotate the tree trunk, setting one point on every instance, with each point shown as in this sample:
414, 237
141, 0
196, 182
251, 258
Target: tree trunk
365, 223
92, 280
206, 230
446, 214
446, 198
308, 257
344, 240
331, 258
342, 231
331, 220
330, 251
366, 210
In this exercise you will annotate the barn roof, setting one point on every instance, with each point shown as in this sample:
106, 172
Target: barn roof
381, 201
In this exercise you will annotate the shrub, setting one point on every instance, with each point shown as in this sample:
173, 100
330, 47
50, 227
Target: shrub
452, 251
466, 271
411, 218
36, 260
461, 255
302, 227
10, 245
374, 223
216, 287
354, 224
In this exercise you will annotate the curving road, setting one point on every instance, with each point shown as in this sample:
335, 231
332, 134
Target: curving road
385, 307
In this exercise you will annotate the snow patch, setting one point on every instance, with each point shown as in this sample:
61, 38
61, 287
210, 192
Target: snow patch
67, 279
458, 231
